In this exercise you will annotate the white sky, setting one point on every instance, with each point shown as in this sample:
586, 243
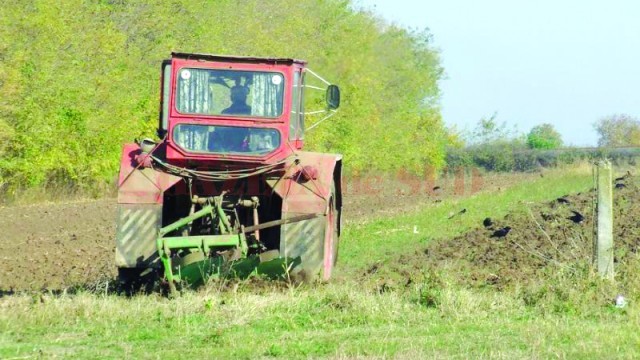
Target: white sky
565, 62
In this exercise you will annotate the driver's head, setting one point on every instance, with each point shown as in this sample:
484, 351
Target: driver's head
239, 94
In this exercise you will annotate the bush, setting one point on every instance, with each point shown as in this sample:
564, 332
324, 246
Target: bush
544, 136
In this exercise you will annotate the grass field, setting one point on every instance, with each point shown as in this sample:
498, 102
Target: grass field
350, 317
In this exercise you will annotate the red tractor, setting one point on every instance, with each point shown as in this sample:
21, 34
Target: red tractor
228, 190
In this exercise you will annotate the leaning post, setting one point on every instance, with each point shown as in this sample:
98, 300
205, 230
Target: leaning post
603, 247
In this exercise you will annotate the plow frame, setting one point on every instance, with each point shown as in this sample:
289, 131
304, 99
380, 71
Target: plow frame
203, 245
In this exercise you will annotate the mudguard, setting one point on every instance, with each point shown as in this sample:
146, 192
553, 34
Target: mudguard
312, 179
140, 185
140, 197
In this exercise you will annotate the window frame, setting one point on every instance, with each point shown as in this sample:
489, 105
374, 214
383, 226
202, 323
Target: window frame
231, 153
294, 114
177, 86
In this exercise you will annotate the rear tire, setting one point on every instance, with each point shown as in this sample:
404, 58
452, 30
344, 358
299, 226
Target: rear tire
332, 236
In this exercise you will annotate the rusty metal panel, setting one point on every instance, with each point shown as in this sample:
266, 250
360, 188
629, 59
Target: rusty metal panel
136, 234
304, 239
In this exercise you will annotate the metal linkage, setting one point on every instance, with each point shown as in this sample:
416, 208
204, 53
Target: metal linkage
228, 236
205, 243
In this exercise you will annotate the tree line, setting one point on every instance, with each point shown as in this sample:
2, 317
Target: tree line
494, 147
80, 78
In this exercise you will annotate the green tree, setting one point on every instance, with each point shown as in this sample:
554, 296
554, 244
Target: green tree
544, 136
618, 130
491, 146
80, 78
489, 130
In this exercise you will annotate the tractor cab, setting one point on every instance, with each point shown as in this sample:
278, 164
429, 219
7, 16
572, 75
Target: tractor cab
234, 109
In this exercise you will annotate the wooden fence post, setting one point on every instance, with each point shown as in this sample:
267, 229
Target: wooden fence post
603, 247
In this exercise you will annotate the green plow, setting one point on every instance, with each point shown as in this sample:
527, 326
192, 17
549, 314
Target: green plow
193, 259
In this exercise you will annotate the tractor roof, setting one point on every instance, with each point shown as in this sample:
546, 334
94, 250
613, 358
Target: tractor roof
243, 59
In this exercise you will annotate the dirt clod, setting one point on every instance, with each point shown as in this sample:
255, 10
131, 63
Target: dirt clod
524, 246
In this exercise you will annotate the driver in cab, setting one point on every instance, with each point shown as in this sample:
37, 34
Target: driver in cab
238, 101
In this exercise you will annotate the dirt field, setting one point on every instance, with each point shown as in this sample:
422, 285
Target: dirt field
542, 240
55, 245
52, 246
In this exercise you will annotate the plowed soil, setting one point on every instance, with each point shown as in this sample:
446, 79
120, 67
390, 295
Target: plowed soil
56, 245
53, 246
543, 239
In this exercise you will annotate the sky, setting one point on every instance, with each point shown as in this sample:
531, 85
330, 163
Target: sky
564, 62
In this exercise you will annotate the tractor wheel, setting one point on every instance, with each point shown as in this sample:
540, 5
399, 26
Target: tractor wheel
331, 239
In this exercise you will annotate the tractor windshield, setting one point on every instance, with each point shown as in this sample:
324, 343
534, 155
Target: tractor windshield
226, 139
229, 92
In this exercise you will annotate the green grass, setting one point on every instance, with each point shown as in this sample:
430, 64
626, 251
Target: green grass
379, 239
345, 319
331, 321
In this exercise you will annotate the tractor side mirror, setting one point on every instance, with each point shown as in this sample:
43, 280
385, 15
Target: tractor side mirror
333, 97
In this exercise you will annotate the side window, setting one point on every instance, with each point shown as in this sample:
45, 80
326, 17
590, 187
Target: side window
301, 112
166, 90
295, 107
